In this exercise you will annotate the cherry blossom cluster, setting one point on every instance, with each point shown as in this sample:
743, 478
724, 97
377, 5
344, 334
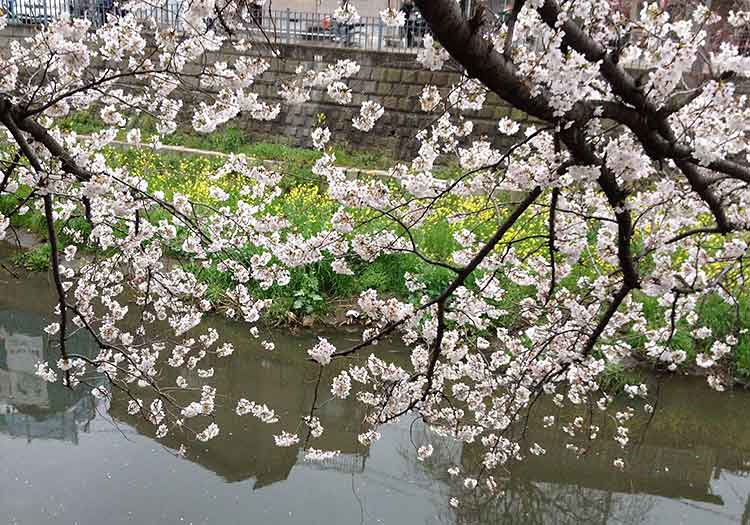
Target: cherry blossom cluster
618, 197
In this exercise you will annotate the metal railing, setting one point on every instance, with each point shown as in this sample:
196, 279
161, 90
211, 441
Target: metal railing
286, 26
290, 27
39, 12
321, 29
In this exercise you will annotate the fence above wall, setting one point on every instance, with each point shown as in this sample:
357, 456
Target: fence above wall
298, 27
281, 27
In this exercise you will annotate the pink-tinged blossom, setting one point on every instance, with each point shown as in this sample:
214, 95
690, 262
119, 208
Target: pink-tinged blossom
432, 56
322, 351
341, 385
313, 454
424, 452
506, 126
430, 98
339, 92
346, 13
286, 440
210, 432
43, 370
320, 137
316, 428
262, 412
369, 113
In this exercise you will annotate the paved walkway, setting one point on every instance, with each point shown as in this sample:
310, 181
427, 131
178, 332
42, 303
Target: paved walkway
271, 164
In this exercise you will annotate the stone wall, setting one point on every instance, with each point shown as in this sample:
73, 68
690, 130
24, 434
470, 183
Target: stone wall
394, 80
13, 32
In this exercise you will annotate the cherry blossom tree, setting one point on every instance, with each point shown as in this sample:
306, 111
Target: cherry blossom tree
630, 189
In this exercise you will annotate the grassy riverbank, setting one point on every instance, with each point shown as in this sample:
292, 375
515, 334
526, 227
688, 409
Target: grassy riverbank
316, 292
303, 203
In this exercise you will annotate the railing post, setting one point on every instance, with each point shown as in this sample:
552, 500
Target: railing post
380, 36
288, 26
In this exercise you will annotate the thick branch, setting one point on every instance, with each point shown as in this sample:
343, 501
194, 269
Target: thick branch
651, 127
617, 300
481, 61
7, 119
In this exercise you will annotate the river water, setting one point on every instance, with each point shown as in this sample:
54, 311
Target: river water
66, 458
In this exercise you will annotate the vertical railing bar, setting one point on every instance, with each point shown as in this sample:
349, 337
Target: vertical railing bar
380, 36
287, 26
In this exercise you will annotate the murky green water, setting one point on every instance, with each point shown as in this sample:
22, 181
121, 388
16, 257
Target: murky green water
65, 458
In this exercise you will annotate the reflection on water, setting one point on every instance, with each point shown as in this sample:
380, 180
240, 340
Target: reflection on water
245, 449
29, 406
692, 466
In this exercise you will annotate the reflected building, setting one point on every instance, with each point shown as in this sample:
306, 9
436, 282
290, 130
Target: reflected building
31, 408
19, 354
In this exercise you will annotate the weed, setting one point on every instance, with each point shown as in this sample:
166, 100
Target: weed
616, 376
34, 260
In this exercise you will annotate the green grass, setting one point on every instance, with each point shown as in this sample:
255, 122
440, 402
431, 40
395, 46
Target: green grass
34, 260
235, 140
616, 376
305, 205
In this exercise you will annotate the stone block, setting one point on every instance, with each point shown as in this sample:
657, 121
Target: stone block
290, 66
400, 90
519, 116
409, 77
378, 74
424, 77
393, 75
368, 86
383, 89
365, 72
442, 78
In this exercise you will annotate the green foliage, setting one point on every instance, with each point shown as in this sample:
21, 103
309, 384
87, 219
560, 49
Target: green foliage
83, 122
616, 376
438, 240
278, 312
307, 296
385, 274
34, 260
726, 319
232, 140
306, 205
